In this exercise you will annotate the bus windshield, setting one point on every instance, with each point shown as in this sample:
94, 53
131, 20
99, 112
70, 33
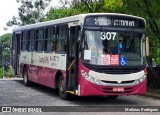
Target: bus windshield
113, 48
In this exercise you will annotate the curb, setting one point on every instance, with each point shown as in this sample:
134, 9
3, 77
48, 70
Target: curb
5, 79
156, 96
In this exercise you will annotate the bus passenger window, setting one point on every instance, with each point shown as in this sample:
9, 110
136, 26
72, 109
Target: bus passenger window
61, 41
45, 38
50, 39
40, 40
32, 41
24, 41
36, 40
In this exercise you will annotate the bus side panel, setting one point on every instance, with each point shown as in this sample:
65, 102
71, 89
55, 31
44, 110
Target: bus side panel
40, 74
49, 74
32, 69
43, 75
23, 70
52, 78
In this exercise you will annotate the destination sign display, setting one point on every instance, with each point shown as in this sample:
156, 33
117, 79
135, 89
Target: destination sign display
115, 21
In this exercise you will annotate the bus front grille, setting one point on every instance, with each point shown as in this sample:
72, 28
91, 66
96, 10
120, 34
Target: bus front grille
118, 71
115, 82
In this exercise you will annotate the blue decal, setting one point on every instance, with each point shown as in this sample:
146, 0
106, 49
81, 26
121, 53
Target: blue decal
123, 61
120, 45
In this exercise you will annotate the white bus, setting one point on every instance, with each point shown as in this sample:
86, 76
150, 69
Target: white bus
96, 54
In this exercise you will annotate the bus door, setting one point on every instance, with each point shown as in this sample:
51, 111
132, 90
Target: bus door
16, 52
72, 58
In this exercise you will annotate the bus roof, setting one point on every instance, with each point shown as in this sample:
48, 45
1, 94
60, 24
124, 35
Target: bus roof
74, 18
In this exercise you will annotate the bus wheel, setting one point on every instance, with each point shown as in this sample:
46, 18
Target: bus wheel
62, 89
25, 77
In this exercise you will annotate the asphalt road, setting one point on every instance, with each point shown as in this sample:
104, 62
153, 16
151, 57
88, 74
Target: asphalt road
14, 93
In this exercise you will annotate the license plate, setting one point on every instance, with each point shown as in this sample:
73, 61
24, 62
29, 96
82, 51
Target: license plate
118, 89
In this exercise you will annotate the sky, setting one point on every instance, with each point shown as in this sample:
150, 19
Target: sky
8, 9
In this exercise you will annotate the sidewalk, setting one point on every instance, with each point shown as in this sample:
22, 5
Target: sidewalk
11, 79
155, 93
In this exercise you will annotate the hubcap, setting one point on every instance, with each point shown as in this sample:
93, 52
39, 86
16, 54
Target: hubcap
25, 78
62, 87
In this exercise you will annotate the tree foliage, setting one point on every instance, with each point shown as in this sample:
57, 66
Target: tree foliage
5, 44
55, 13
150, 11
1, 72
30, 11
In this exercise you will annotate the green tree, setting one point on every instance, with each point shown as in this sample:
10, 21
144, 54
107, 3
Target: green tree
30, 11
74, 7
1, 72
5, 44
55, 13
150, 11
8, 73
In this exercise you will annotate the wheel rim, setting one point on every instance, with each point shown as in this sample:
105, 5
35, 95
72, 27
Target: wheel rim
61, 87
25, 78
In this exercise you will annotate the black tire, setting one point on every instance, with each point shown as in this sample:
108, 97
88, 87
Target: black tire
25, 77
62, 89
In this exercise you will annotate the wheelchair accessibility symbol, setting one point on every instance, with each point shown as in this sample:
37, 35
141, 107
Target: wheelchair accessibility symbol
123, 61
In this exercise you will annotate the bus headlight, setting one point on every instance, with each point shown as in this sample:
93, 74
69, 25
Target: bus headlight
141, 79
90, 78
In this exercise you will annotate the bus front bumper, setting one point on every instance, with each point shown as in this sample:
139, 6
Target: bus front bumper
89, 89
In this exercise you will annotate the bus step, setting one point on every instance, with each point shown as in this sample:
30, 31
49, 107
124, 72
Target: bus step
71, 92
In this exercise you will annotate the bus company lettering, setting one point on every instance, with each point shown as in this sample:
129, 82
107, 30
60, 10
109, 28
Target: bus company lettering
123, 23
54, 58
103, 21
24, 58
32, 59
44, 59
114, 22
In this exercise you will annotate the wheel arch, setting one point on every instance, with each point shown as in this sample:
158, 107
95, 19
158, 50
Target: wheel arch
57, 76
23, 69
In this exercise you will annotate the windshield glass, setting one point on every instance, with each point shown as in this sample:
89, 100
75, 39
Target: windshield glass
113, 48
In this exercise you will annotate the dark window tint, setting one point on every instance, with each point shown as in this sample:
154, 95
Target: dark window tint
61, 40
32, 41
40, 40
24, 41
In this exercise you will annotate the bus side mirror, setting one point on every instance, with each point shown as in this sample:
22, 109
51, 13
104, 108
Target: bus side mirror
147, 46
153, 63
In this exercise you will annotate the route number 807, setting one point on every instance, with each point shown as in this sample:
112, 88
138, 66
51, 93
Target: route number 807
108, 35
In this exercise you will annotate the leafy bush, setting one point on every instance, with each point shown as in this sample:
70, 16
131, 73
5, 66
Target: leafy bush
7, 73
1, 72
